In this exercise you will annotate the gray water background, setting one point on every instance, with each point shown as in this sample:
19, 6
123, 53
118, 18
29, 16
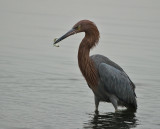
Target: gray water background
41, 86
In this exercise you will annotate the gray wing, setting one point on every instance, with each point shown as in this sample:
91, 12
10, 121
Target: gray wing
117, 82
98, 59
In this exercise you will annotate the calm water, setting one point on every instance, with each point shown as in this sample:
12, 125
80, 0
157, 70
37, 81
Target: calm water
41, 86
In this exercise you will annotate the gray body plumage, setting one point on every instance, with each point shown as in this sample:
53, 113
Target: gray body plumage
114, 84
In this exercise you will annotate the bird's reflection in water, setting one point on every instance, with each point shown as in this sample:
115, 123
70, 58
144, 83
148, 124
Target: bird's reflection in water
122, 119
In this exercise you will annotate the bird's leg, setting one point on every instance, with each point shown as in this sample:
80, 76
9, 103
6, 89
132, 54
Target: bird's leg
114, 102
96, 103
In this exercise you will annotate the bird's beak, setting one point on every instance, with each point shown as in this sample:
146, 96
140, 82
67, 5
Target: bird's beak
69, 33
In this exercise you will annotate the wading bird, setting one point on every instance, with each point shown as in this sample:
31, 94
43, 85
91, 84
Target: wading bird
108, 80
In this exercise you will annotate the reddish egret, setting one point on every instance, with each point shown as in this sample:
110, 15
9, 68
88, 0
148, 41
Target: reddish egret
108, 80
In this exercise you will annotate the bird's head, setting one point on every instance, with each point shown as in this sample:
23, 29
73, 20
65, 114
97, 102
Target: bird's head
81, 26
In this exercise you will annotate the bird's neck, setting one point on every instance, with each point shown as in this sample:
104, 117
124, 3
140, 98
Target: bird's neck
86, 64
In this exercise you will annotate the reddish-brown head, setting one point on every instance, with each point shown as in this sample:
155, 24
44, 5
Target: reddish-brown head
86, 26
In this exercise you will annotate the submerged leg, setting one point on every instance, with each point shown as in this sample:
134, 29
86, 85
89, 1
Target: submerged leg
114, 102
96, 103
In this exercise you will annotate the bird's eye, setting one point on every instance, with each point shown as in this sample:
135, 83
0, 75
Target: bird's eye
78, 27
